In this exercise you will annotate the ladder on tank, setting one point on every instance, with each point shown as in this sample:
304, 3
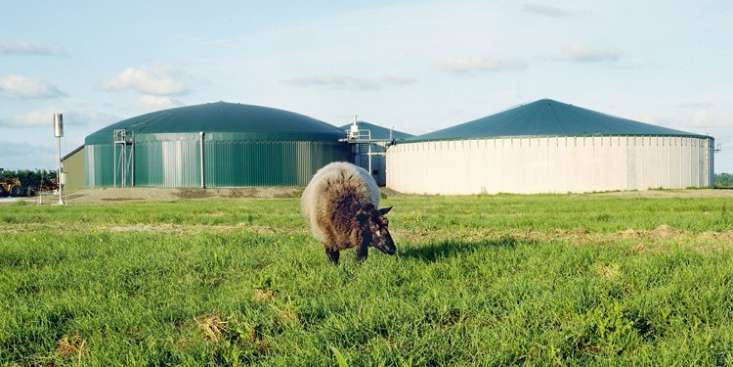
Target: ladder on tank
123, 155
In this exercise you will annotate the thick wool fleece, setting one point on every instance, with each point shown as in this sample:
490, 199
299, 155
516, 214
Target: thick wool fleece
332, 199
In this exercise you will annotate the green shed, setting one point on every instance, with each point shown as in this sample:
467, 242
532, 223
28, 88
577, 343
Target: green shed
212, 145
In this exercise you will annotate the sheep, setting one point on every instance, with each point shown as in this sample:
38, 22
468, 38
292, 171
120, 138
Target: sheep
340, 204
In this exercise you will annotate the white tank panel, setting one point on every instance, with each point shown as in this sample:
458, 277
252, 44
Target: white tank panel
549, 164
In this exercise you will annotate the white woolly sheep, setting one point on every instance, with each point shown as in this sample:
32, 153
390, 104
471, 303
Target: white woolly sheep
340, 204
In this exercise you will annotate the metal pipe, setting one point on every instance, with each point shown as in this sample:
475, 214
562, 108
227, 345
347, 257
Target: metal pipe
58, 172
201, 160
369, 154
58, 132
133, 161
123, 161
114, 165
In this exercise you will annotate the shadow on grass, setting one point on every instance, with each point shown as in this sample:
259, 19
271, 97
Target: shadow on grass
443, 249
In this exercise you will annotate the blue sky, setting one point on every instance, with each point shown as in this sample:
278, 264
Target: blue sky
414, 65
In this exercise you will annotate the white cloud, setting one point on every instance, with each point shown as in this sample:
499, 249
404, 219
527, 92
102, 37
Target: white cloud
352, 83
18, 86
546, 10
159, 81
582, 54
706, 118
158, 103
27, 48
29, 119
43, 118
695, 105
474, 65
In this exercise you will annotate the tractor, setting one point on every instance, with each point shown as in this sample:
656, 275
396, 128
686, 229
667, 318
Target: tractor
10, 186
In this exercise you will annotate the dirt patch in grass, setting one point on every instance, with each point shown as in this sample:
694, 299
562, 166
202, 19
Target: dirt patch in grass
150, 228
638, 248
286, 316
197, 228
212, 327
260, 192
681, 193
608, 271
665, 231
641, 238
192, 193
580, 236
263, 295
71, 346
240, 193
163, 194
216, 214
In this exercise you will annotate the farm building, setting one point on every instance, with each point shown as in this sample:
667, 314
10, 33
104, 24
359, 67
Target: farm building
369, 131
211, 145
73, 170
547, 146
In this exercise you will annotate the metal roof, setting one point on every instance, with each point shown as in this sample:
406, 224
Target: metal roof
378, 132
248, 121
547, 117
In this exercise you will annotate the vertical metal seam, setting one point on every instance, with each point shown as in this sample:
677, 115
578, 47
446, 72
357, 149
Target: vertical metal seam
201, 158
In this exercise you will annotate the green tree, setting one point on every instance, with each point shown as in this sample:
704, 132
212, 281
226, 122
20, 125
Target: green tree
724, 180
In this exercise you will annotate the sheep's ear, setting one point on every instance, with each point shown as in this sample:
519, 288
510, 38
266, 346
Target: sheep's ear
384, 211
362, 216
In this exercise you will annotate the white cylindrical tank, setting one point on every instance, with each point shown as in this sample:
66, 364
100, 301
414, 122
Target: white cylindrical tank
549, 165
550, 147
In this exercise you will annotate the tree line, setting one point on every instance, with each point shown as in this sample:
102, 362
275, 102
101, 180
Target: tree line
30, 181
724, 180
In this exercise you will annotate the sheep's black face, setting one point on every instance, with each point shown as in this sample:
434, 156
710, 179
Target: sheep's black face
377, 226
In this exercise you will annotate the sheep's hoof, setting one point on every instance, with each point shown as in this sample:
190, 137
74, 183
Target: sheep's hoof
362, 252
333, 256
360, 258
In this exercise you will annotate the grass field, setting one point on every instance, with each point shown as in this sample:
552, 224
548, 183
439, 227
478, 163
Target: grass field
484, 280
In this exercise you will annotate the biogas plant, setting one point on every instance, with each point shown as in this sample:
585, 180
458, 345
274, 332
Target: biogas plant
541, 147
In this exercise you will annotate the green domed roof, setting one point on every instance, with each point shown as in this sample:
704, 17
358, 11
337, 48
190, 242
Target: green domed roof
547, 117
248, 121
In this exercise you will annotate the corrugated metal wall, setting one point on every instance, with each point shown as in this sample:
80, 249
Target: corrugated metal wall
98, 165
168, 160
231, 163
73, 167
549, 164
173, 160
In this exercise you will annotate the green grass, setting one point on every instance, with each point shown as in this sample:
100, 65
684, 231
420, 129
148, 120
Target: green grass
486, 280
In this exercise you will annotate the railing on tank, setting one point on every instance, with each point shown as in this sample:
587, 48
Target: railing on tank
354, 135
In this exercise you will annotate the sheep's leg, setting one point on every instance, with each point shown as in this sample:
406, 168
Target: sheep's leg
362, 252
333, 256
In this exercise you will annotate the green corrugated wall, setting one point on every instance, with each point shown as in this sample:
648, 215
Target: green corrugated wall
168, 160
173, 160
98, 165
268, 163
